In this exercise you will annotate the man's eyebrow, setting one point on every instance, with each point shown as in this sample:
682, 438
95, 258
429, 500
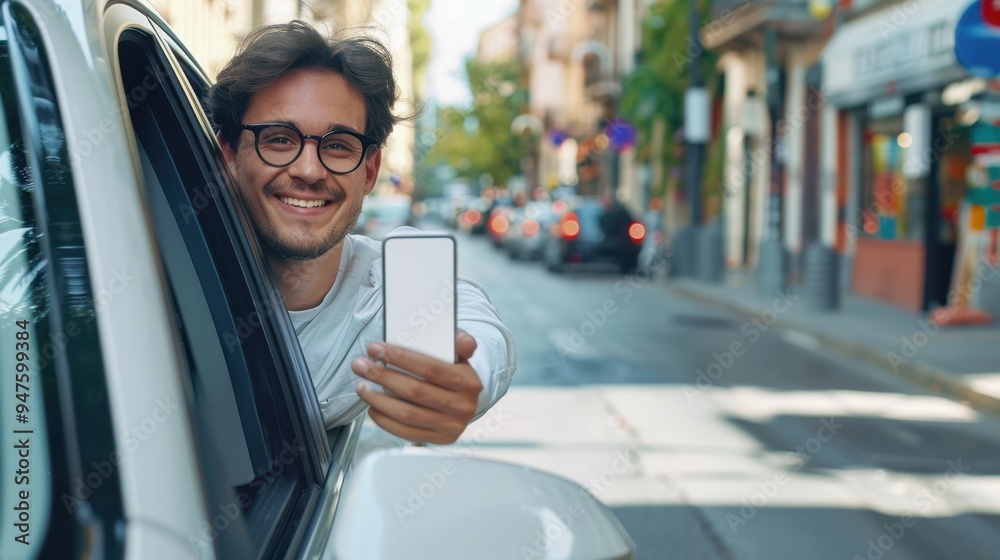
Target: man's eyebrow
329, 127
336, 126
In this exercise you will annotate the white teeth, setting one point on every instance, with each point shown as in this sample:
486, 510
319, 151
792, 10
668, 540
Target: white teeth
302, 203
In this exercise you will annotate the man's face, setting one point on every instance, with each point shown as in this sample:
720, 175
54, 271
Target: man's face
282, 200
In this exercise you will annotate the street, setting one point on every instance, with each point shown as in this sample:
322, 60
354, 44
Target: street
714, 437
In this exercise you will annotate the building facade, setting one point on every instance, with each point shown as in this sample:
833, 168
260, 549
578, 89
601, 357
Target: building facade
905, 119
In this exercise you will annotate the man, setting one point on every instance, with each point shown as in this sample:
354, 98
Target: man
301, 122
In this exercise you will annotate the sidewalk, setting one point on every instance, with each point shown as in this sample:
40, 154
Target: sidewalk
963, 362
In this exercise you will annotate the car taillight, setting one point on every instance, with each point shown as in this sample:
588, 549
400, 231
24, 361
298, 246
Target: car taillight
570, 228
472, 216
636, 232
499, 225
529, 228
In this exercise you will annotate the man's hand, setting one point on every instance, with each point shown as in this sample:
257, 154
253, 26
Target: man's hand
433, 409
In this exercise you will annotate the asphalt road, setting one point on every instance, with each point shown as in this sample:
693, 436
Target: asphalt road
713, 438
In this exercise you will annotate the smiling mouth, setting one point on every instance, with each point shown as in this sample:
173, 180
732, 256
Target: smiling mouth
299, 203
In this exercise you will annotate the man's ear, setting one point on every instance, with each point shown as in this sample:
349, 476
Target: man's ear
372, 165
228, 153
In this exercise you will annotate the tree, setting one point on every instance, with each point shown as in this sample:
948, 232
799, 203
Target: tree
421, 44
656, 86
477, 140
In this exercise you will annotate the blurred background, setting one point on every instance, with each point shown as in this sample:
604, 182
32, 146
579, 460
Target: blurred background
749, 249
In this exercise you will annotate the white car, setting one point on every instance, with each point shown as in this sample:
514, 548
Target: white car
156, 403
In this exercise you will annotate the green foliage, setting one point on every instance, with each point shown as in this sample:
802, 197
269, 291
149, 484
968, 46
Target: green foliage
478, 140
657, 84
421, 43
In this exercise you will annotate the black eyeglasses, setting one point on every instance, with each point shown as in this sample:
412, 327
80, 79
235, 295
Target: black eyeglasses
340, 151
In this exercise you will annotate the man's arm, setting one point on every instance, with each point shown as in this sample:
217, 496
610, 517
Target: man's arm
495, 357
437, 405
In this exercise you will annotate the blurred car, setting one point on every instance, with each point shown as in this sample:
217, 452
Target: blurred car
472, 217
164, 406
594, 231
526, 236
497, 222
380, 215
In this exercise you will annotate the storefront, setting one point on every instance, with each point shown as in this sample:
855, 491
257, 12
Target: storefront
894, 77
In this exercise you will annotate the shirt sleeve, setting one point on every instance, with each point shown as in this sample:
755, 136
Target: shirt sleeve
495, 358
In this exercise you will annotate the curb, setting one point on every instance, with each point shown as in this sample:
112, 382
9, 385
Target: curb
931, 378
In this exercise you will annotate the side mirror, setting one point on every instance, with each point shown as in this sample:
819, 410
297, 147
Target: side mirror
420, 503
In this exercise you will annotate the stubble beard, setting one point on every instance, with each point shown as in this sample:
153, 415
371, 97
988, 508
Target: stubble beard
284, 248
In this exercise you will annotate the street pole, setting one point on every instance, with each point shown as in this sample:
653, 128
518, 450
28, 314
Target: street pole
695, 141
772, 266
696, 127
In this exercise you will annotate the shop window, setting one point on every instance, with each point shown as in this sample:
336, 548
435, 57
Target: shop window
888, 198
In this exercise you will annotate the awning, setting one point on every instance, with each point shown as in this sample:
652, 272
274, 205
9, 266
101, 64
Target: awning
906, 48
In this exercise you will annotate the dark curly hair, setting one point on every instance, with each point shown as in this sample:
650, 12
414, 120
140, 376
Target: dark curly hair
274, 50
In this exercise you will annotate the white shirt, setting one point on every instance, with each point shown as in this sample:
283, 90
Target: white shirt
350, 317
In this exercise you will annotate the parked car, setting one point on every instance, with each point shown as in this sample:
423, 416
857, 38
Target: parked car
472, 217
164, 409
594, 231
498, 218
526, 238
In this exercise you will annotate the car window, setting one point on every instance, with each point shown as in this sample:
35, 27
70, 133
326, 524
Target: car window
589, 216
238, 366
54, 410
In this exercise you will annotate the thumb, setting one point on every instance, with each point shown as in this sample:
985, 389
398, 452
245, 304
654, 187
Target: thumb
465, 345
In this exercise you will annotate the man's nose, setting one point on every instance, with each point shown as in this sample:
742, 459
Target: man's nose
307, 167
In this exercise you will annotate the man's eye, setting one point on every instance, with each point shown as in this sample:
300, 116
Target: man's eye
279, 141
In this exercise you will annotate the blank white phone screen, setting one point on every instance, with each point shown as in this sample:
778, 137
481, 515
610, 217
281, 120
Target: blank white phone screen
419, 291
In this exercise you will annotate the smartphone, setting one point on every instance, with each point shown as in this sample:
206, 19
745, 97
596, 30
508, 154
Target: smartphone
419, 300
